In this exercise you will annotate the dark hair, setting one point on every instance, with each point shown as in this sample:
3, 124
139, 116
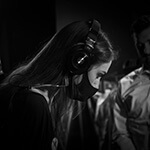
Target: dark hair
49, 65
140, 24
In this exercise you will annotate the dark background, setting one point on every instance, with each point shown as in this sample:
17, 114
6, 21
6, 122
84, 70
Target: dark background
26, 24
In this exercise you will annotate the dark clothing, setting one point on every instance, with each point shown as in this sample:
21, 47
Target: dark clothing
82, 135
29, 124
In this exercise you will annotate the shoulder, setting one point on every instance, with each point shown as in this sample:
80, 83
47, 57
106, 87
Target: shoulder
127, 80
31, 101
28, 95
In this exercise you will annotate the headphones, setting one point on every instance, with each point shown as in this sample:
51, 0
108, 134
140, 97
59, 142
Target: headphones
79, 60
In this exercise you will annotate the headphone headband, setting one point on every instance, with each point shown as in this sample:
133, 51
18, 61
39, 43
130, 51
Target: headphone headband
94, 30
93, 33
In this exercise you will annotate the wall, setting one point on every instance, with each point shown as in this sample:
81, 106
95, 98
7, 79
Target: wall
24, 26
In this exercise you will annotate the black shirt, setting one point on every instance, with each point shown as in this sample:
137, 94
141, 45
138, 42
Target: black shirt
29, 124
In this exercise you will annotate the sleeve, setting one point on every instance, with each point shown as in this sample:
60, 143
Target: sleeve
33, 123
120, 133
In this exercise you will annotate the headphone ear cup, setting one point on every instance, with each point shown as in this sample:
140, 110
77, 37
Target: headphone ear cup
79, 60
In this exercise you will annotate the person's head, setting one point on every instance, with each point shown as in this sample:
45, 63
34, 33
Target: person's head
79, 48
141, 35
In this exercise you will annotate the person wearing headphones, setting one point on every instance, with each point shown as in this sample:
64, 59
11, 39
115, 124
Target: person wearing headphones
42, 93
